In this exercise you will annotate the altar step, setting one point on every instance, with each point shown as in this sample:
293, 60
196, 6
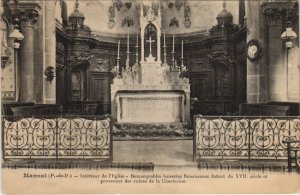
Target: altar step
153, 131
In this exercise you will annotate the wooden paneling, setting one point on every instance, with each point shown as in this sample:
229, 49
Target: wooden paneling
61, 79
99, 87
202, 85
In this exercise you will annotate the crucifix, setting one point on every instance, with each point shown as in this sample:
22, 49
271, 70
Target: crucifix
150, 41
76, 5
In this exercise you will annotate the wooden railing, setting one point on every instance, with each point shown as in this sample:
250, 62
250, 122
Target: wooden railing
244, 137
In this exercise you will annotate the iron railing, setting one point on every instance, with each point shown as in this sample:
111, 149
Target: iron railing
57, 137
243, 137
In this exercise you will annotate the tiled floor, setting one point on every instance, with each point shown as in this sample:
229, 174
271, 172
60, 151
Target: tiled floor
179, 154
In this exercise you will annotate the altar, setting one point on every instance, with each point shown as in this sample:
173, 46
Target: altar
150, 90
154, 107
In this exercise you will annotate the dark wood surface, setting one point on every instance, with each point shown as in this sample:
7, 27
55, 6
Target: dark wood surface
264, 110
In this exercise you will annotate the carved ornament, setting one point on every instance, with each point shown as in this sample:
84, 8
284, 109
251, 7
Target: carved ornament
28, 12
221, 57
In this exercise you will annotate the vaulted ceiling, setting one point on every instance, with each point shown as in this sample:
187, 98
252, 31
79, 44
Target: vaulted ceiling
203, 15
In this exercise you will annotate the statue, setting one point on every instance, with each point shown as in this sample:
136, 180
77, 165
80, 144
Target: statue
174, 22
187, 11
187, 15
128, 21
111, 13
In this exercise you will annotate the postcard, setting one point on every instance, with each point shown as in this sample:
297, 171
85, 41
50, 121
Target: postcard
150, 96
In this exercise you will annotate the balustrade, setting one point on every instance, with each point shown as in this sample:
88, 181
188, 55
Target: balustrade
57, 137
244, 137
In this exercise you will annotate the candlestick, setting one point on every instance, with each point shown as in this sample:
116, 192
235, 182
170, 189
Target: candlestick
137, 48
118, 49
173, 43
181, 48
164, 38
165, 54
173, 60
127, 42
118, 66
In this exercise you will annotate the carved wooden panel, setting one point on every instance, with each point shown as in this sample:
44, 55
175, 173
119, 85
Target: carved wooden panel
61, 84
199, 65
223, 83
99, 65
99, 87
76, 87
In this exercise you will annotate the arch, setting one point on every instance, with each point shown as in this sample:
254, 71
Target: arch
151, 28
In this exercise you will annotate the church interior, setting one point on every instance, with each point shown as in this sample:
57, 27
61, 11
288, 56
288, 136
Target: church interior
149, 65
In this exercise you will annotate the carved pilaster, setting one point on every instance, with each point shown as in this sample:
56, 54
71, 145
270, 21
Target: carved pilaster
278, 13
27, 11
274, 16
29, 17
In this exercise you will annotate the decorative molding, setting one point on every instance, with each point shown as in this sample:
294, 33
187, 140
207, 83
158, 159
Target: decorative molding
75, 78
60, 60
99, 65
274, 16
4, 60
220, 47
221, 57
5, 49
29, 17
276, 12
60, 46
95, 64
120, 87
8, 94
200, 65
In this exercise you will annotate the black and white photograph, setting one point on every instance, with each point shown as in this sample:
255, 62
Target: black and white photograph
150, 96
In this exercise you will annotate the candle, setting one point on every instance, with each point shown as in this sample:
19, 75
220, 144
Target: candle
182, 48
119, 49
164, 38
137, 39
127, 42
173, 43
